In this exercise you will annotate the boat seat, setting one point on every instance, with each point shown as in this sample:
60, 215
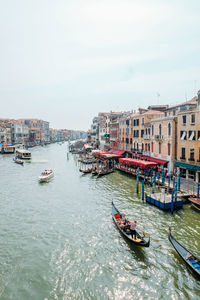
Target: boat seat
193, 261
196, 265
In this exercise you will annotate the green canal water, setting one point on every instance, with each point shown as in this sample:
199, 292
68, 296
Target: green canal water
58, 240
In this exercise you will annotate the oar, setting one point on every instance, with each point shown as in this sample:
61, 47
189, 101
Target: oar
147, 235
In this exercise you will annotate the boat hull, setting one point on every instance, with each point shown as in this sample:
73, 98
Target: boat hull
46, 178
191, 260
142, 242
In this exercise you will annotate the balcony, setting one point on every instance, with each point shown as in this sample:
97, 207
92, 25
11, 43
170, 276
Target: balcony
158, 137
146, 136
112, 139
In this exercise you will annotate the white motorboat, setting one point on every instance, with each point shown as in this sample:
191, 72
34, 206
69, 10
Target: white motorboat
46, 175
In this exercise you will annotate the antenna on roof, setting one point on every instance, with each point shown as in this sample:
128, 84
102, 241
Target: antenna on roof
158, 97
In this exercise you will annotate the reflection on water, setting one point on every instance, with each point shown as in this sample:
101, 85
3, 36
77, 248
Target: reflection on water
58, 240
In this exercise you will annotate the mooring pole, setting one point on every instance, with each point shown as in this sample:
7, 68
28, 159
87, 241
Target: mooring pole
143, 190
198, 191
172, 202
137, 181
179, 181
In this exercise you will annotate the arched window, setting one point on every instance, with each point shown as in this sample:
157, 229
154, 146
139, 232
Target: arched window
160, 129
169, 129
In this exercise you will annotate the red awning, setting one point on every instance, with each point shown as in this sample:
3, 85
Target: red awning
106, 154
118, 152
158, 161
137, 162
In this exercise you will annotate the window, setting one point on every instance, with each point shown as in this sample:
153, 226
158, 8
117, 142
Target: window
174, 112
152, 130
165, 114
169, 149
192, 119
192, 154
127, 122
142, 133
182, 153
148, 147
160, 129
183, 135
127, 140
199, 155
152, 147
142, 121
192, 135
133, 122
159, 148
169, 129
149, 131
184, 120
142, 146
137, 122
131, 140
198, 135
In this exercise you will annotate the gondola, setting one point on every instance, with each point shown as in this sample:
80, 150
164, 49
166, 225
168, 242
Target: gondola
104, 172
139, 241
85, 171
191, 260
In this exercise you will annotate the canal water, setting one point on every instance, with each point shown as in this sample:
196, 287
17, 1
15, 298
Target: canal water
58, 240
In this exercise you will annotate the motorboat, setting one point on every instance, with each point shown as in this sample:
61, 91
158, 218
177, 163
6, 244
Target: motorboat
46, 175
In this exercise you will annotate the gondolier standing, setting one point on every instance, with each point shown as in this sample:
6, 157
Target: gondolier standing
132, 229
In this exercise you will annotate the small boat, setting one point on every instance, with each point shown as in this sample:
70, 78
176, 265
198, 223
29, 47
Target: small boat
85, 171
104, 172
18, 161
195, 202
191, 260
94, 171
195, 207
46, 175
139, 240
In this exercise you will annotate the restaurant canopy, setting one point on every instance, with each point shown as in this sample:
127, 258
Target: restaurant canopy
118, 152
158, 161
106, 154
137, 162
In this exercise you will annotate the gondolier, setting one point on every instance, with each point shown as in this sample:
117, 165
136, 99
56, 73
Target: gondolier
132, 229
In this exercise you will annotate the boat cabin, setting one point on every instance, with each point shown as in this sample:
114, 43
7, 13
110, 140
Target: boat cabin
23, 154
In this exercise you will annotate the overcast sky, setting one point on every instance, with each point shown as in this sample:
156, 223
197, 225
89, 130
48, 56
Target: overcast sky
66, 60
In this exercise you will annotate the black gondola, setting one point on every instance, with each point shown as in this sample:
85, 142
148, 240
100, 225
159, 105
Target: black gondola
191, 260
104, 172
139, 241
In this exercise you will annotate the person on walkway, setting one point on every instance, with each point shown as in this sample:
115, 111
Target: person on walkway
132, 229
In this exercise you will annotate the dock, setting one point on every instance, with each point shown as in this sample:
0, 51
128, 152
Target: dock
164, 201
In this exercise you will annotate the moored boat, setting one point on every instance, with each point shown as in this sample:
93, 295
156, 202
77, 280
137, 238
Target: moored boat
190, 259
18, 161
139, 240
85, 171
195, 202
46, 175
104, 172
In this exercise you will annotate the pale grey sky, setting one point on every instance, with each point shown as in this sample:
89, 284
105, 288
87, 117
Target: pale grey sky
65, 60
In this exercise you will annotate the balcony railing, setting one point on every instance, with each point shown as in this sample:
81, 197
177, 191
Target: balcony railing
146, 136
158, 137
